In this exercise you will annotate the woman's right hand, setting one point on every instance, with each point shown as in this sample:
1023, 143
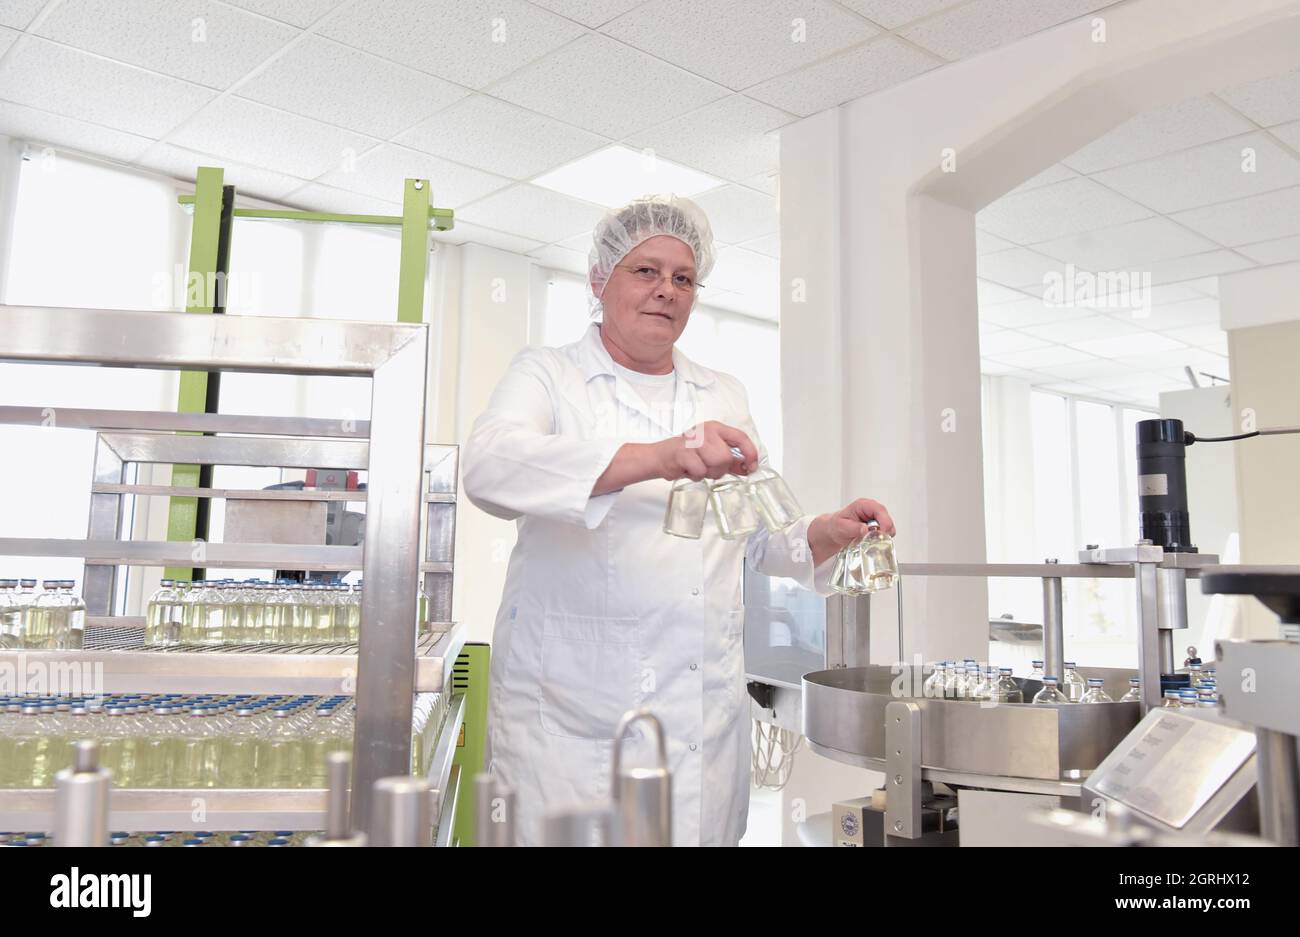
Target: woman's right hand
704, 451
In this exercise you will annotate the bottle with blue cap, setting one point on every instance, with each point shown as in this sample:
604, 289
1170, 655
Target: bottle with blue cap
1095, 692
1050, 694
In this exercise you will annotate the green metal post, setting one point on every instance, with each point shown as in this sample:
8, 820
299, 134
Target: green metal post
200, 287
415, 251
470, 677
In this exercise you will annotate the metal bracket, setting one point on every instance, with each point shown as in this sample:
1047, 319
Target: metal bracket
902, 770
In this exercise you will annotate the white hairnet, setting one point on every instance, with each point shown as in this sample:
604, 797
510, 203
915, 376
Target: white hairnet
639, 220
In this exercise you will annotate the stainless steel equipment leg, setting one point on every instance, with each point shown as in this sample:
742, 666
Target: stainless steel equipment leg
580, 826
1278, 787
1171, 612
643, 802
1148, 620
338, 822
1053, 627
402, 812
81, 800
902, 770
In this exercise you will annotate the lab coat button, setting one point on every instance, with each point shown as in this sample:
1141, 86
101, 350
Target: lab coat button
695, 592
694, 667
692, 746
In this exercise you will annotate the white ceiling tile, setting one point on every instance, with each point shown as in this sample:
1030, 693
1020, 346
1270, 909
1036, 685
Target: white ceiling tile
739, 43
853, 73
77, 84
1127, 246
578, 242
501, 138
1039, 359
324, 198
1279, 251
1117, 346
741, 271
988, 328
1203, 311
471, 42
1213, 172
1087, 371
260, 136
1202, 336
1198, 265
768, 182
1079, 330
533, 212
19, 13
341, 85
561, 258
381, 174
7, 38
40, 127
1056, 211
1160, 131
1070, 388
1247, 220
1207, 286
1174, 293
1017, 267
732, 137
1058, 172
1268, 101
606, 87
738, 214
986, 243
1125, 375
465, 233
592, 13
894, 13
989, 293
999, 344
1288, 134
196, 40
769, 244
1030, 312
294, 12
985, 24
1196, 358
182, 164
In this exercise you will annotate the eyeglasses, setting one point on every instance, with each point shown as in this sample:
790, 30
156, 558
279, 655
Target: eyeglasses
648, 274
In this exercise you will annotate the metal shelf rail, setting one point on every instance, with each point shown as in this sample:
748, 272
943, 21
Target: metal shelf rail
390, 448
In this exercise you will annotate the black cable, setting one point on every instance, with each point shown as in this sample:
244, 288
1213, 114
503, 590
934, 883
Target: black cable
1192, 437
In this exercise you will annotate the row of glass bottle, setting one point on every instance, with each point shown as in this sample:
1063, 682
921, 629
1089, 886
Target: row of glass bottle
252, 612
174, 741
740, 504
173, 838
951, 680
50, 619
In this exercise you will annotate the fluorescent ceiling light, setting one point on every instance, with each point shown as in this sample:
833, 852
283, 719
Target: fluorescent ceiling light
617, 174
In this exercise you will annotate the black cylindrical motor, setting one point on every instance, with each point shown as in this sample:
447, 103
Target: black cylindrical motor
1162, 485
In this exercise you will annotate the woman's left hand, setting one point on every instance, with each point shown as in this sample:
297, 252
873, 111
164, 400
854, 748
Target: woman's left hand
830, 533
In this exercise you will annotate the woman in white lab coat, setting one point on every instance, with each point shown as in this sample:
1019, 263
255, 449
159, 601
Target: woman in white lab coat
602, 611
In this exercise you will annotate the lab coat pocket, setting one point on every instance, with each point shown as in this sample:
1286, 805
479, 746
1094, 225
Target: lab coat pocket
591, 674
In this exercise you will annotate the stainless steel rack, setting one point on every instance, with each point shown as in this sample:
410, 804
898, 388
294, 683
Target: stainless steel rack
404, 477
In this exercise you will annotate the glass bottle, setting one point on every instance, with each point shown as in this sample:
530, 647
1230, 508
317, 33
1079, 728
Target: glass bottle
11, 614
879, 566
158, 614
932, 687
950, 677
1187, 698
688, 502
1134, 693
1005, 689
76, 616
1049, 695
733, 508
1036, 671
776, 503
1074, 687
45, 624
1095, 693
193, 615
1171, 700
354, 614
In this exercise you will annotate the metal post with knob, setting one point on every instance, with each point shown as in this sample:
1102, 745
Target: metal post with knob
1053, 626
81, 799
402, 812
338, 821
643, 807
494, 812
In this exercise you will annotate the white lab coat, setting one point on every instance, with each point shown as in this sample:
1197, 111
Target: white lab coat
602, 611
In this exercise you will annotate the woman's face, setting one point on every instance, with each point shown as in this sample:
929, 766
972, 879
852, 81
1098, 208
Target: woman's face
643, 313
